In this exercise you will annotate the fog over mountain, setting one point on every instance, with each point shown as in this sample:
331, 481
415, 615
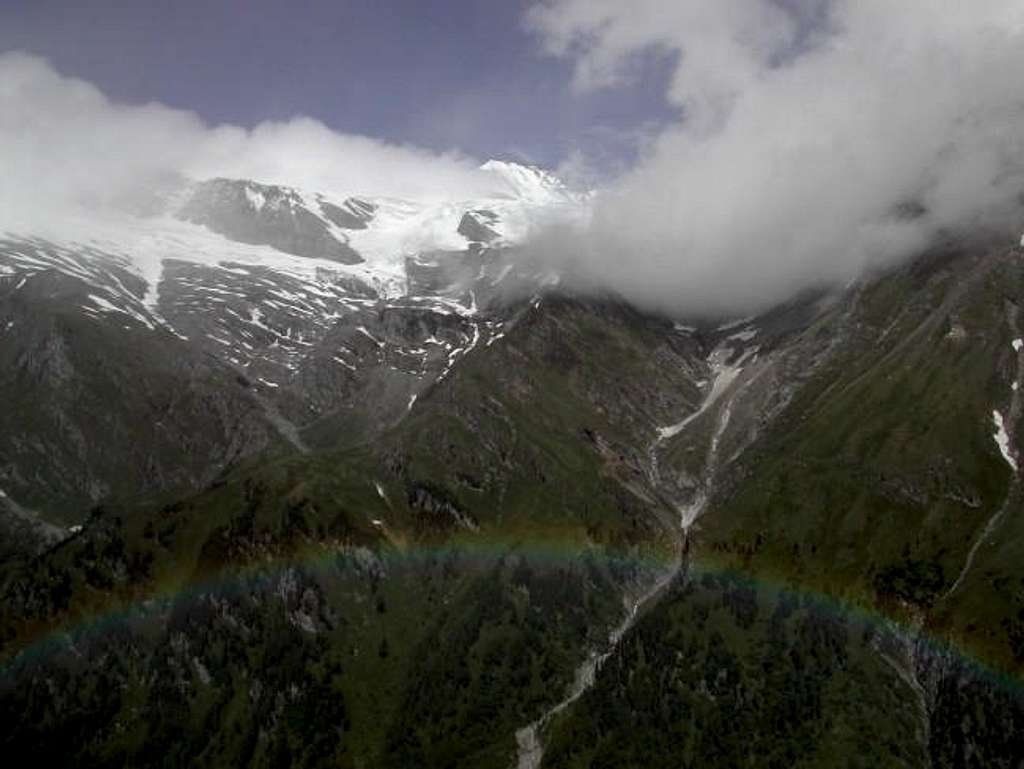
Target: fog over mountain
63, 143
815, 138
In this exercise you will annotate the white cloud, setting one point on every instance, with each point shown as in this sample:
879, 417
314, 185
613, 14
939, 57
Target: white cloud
806, 125
63, 142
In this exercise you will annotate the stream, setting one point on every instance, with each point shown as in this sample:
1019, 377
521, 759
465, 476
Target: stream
529, 747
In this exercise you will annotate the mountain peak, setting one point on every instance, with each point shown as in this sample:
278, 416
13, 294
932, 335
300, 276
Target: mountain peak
528, 182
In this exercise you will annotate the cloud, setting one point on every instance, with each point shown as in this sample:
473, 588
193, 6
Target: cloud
816, 139
64, 144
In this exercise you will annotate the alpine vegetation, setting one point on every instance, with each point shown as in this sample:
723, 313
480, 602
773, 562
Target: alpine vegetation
583, 384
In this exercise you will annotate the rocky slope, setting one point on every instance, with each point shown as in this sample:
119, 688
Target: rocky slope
237, 317
853, 556
427, 508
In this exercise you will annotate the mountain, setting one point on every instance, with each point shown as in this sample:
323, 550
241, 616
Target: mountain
239, 317
357, 484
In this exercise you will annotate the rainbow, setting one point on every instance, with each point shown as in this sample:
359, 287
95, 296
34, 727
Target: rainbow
474, 553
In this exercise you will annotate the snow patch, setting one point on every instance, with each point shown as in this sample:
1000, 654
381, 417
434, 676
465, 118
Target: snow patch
368, 335
744, 336
1002, 439
107, 306
723, 375
103, 304
255, 198
735, 323
344, 363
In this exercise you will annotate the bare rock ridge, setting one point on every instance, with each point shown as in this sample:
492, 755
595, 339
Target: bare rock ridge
353, 214
475, 226
269, 215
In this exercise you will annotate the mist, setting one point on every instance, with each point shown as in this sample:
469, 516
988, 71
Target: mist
815, 140
67, 148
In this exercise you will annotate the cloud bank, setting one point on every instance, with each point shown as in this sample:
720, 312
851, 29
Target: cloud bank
816, 139
64, 144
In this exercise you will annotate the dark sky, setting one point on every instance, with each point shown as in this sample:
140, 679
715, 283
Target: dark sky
443, 74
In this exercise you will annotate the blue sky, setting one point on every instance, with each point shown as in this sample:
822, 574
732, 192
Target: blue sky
462, 74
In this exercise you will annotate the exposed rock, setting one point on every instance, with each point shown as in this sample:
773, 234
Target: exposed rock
264, 215
353, 214
475, 226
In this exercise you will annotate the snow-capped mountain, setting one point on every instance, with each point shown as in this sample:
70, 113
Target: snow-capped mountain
312, 299
259, 273
365, 239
